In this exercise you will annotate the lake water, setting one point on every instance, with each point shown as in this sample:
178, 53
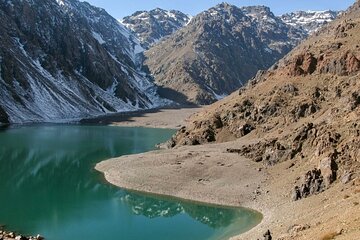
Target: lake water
48, 185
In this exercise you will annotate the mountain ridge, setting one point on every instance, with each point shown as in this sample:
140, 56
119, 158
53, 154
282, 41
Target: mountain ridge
151, 26
217, 52
309, 21
102, 60
61, 60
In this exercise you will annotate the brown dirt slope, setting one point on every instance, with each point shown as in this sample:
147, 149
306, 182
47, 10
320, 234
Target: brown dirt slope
306, 106
306, 111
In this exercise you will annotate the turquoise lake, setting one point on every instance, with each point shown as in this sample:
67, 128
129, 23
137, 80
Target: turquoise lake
48, 185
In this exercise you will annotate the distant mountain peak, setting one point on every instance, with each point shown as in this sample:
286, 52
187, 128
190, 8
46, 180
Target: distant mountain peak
219, 51
258, 8
224, 5
310, 21
151, 26
222, 11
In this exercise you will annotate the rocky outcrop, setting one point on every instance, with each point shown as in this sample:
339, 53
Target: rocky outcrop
330, 59
218, 51
267, 235
13, 236
317, 180
313, 183
307, 63
269, 152
151, 26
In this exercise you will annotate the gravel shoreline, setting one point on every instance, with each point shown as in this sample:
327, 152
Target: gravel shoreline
7, 235
210, 174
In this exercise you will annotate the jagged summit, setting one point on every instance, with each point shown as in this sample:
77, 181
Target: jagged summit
224, 5
151, 26
309, 21
257, 9
222, 10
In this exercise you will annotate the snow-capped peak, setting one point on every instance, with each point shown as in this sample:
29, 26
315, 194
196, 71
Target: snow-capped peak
151, 26
309, 21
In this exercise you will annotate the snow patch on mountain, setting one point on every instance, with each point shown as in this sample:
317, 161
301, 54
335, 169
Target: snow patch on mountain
98, 38
80, 63
309, 21
151, 26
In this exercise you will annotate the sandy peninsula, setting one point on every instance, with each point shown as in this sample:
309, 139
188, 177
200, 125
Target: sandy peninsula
208, 173
171, 118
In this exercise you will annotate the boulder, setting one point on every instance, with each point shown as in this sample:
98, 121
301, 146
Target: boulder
267, 235
313, 183
328, 169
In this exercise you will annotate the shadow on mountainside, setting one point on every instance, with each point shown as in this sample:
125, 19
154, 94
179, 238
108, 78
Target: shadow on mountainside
175, 96
127, 116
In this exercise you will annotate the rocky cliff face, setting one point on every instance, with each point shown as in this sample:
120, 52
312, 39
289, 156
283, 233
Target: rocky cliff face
218, 51
151, 26
63, 59
305, 109
309, 21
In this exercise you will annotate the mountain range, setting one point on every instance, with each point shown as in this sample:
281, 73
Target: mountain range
65, 59
219, 50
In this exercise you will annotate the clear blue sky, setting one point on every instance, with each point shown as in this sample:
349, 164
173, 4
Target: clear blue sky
120, 8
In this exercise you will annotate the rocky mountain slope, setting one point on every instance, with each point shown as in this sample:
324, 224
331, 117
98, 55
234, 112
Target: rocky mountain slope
305, 110
63, 59
151, 26
309, 21
218, 51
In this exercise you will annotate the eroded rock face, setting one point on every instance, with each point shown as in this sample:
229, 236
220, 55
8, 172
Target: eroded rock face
304, 64
307, 64
269, 152
313, 183
317, 180
346, 64
328, 168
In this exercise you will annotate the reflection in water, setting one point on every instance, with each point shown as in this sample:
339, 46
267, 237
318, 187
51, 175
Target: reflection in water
48, 186
151, 207
214, 217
